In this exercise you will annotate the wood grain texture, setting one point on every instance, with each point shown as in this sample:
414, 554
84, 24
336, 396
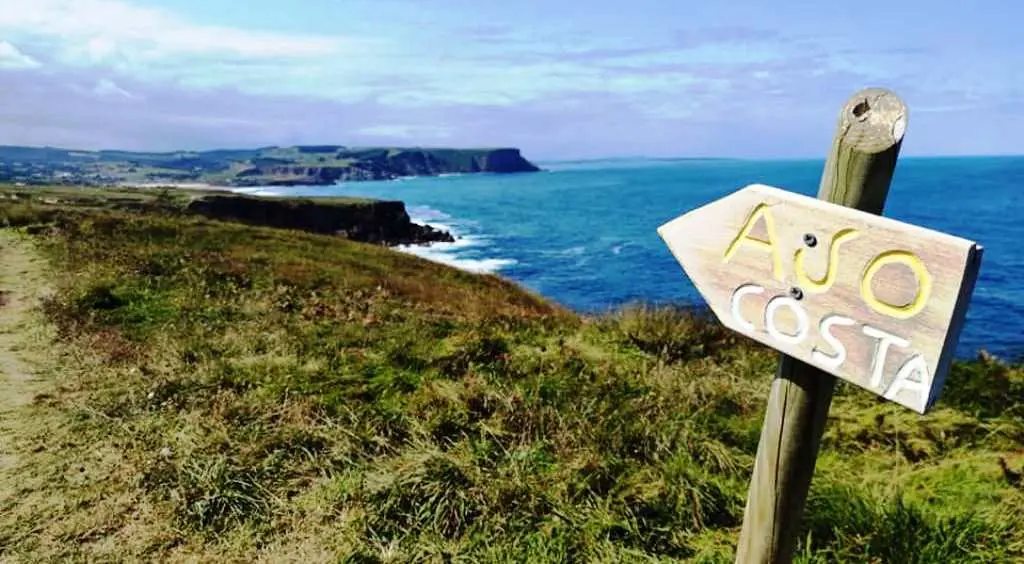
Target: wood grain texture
864, 150
887, 292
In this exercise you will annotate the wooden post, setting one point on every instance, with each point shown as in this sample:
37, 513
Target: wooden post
857, 174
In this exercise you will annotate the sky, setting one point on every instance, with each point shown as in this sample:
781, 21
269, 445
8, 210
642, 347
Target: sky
560, 79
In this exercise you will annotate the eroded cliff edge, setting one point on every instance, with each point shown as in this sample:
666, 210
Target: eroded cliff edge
369, 221
344, 165
380, 222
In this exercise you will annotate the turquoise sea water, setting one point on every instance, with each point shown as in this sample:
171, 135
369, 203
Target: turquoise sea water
583, 234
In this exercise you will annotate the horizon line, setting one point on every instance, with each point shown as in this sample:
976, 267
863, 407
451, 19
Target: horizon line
523, 151
765, 158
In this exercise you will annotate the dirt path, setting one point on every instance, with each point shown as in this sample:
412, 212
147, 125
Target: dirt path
22, 284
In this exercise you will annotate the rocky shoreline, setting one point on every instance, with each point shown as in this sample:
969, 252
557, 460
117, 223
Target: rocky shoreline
368, 221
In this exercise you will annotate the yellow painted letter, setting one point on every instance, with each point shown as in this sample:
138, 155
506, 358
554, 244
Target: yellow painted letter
744, 237
924, 284
824, 283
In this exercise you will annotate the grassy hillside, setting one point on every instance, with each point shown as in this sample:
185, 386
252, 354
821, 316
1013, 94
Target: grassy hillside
227, 392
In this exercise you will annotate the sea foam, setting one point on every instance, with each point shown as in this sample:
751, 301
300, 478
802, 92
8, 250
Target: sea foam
455, 253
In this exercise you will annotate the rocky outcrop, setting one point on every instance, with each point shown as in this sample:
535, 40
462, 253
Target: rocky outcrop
386, 164
426, 162
505, 161
380, 222
293, 175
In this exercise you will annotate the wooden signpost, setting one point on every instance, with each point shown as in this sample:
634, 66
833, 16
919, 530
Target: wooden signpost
839, 291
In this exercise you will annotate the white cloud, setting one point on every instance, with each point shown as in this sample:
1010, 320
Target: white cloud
139, 46
116, 31
11, 58
407, 131
101, 88
156, 45
108, 88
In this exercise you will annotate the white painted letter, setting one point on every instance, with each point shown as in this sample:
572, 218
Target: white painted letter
736, 296
825, 327
802, 324
916, 365
881, 349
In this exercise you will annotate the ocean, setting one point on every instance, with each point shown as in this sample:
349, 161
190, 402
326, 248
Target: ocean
584, 233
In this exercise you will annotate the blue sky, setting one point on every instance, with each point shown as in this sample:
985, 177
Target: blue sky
565, 79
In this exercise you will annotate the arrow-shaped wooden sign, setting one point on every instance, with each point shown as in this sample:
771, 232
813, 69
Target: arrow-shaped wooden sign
872, 300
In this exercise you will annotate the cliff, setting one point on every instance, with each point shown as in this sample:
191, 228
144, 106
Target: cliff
382, 164
382, 222
368, 221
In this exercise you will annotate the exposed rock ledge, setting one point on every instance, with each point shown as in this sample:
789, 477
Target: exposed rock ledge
380, 222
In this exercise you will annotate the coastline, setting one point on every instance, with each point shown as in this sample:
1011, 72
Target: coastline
465, 252
439, 251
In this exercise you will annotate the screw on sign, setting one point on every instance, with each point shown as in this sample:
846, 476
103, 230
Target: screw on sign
866, 298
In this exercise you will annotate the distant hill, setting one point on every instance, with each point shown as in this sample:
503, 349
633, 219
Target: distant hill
279, 166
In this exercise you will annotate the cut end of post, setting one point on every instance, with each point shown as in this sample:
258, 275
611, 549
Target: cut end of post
874, 119
860, 165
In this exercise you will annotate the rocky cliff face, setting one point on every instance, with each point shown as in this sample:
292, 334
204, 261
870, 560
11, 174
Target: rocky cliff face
370, 222
446, 161
291, 175
507, 160
387, 164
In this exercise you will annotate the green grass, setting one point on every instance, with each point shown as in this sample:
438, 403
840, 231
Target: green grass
229, 392
47, 200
